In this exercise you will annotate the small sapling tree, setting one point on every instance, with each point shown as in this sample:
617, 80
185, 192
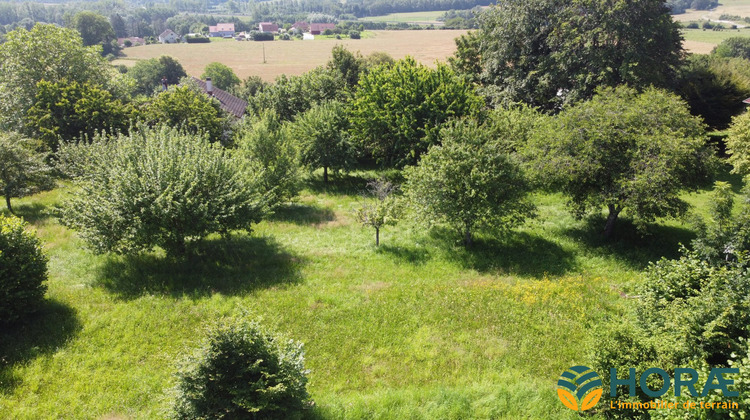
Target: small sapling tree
381, 210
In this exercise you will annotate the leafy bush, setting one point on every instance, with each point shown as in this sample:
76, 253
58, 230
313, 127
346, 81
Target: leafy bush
354, 35
724, 237
692, 25
691, 312
197, 40
23, 270
159, 187
741, 385
262, 36
469, 182
242, 371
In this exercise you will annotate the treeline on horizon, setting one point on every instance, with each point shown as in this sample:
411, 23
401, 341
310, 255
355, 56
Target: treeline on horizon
131, 18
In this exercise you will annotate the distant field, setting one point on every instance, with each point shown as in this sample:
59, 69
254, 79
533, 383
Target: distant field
297, 57
415, 17
702, 42
729, 7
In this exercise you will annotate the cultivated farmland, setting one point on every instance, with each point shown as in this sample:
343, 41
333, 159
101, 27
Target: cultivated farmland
297, 57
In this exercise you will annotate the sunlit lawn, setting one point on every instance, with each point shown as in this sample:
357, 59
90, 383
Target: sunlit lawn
417, 328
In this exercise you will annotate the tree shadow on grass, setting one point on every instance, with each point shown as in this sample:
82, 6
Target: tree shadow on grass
302, 214
31, 212
235, 265
514, 253
37, 334
627, 244
410, 255
341, 184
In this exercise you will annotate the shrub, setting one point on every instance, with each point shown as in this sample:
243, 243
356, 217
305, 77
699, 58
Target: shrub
23, 270
691, 312
197, 40
242, 371
262, 36
354, 35
469, 182
159, 187
692, 25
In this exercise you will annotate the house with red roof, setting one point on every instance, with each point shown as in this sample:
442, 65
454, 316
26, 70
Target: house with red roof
221, 30
319, 28
268, 27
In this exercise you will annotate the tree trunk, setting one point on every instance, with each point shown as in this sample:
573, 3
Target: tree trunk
325, 174
377, 236
609, 228
467, 237
7, 203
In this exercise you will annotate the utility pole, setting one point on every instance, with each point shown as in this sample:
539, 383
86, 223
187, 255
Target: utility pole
264, 52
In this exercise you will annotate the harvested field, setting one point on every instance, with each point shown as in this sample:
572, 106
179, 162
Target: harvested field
297, 57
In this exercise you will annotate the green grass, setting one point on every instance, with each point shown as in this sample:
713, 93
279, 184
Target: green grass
713, 37
413, 17
417, 328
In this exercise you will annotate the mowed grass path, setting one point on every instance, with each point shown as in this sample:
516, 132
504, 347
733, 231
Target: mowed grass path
297, 57
417, 328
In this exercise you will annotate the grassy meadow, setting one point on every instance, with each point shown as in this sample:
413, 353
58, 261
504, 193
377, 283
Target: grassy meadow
417, 18
419, 327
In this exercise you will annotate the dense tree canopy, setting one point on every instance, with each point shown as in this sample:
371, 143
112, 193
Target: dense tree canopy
738, 47
714, 87
148, 73
547, 52
46, 52
187, 107
397, 110
23, 170
95, 29
321, 138
65, 111
738, 144
625, 151
291, 95
221, 76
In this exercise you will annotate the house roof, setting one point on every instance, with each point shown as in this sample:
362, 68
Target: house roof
268, 27
229, 102
166, 33
301, 25
222, 27
747, 101
321, 26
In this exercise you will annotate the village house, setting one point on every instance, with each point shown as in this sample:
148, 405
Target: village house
268, 27
229, 103
168, 37
221, 30
319, 28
